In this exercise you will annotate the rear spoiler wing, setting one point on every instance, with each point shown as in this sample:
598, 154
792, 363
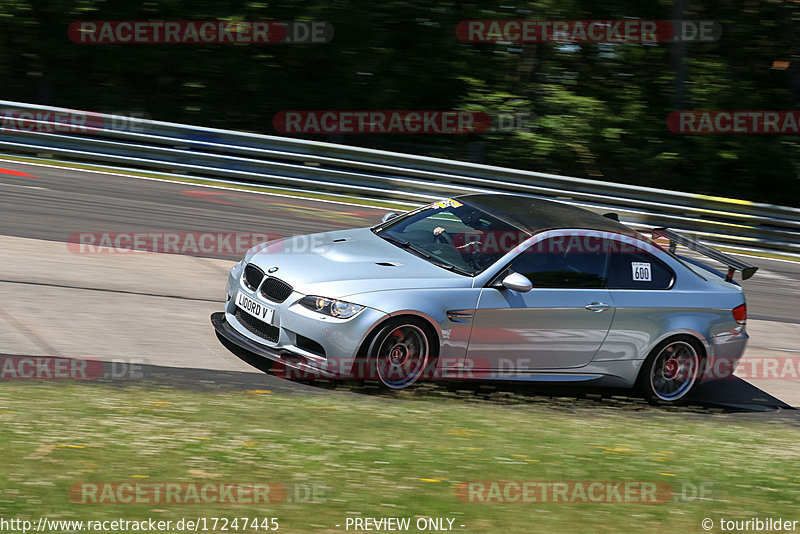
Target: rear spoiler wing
732, 264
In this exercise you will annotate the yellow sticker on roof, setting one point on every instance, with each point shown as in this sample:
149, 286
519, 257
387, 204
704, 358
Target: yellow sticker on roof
449, 203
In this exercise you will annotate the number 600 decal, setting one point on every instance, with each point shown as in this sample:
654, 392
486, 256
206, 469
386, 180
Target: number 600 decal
641, 271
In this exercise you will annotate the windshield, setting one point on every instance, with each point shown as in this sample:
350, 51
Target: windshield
454, 236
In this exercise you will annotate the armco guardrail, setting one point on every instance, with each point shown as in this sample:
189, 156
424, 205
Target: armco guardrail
207, 152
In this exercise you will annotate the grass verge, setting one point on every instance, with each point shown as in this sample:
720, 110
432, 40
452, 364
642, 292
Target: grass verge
362, 456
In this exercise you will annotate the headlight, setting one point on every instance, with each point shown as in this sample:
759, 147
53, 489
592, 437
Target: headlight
331, 307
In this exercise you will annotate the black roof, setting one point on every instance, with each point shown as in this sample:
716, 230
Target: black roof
535, 215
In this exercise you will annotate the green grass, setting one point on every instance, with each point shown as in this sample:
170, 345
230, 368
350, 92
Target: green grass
397, 456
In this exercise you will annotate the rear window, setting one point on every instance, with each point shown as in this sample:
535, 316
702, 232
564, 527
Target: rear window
633, 268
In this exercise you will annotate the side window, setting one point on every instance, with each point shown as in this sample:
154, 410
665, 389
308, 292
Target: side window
569, 262
630, 267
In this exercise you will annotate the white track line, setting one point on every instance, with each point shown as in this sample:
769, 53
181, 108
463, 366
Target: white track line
178, 181
355, 204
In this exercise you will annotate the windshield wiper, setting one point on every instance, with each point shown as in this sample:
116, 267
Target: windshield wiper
451, 267
418, 250
394, 240
407, 245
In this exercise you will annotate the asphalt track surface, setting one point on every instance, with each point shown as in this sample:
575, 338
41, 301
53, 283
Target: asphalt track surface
58, 202
51, 204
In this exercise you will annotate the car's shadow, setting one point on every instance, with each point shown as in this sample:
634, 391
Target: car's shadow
733, 395
724, 395
736, 393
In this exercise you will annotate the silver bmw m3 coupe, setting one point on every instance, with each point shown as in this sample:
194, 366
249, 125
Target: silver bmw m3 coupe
491, 287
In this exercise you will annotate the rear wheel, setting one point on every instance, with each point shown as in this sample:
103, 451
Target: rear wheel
400, 353
672, 371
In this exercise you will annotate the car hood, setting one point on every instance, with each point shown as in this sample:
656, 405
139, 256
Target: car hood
347, 262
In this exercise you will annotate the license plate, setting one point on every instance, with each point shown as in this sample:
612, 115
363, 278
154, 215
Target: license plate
256, 309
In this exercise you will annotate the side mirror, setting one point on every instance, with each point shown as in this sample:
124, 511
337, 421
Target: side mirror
388, 216
517, 282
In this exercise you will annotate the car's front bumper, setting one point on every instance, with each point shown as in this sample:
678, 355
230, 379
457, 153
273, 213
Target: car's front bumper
289, 359
338, 340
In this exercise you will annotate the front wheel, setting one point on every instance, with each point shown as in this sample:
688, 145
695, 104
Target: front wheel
399, 353
671, 371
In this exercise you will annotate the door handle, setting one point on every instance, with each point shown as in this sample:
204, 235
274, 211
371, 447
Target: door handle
597, 306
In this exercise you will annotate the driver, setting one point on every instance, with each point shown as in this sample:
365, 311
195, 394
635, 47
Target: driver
473, 220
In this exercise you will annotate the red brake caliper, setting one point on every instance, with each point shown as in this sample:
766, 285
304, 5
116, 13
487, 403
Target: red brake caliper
671, 368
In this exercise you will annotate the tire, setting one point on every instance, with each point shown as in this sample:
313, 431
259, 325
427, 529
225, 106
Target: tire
401, 352
672, 371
